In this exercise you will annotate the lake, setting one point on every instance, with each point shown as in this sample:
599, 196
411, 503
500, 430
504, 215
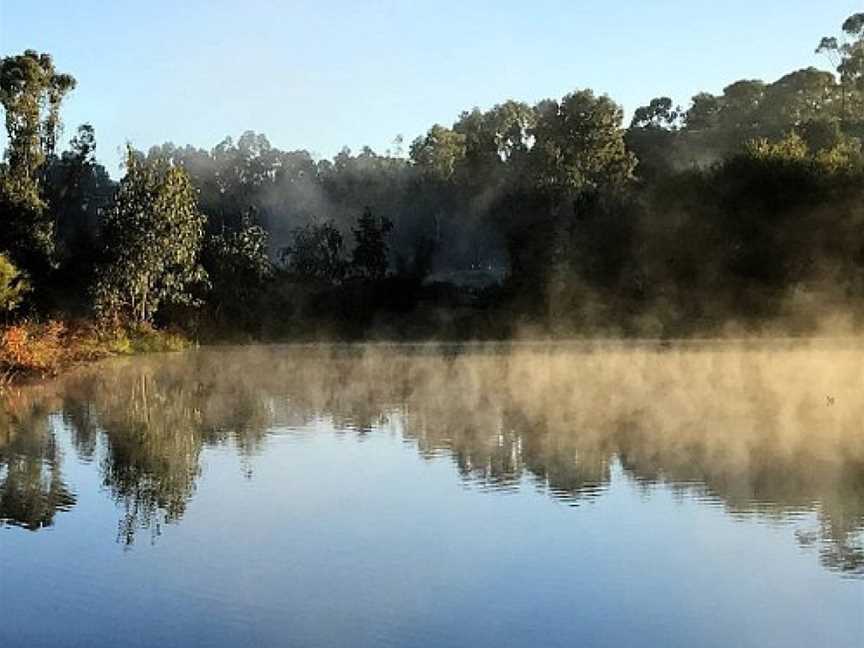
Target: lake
584, 494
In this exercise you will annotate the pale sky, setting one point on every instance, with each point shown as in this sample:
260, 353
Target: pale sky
320, 75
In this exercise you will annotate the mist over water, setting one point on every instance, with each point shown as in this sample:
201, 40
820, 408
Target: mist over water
383, 487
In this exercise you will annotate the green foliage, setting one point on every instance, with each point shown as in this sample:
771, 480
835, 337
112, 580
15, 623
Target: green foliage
740, 238
141, 338
723, 207
652, 135
580, 144
28, 229
792, 148
659, 113
77, 188
152, 234
843, 155
31, 92
238, 265
13, 285
847, 54
821, 134
369, 258
316, 252
439, 152
497, 134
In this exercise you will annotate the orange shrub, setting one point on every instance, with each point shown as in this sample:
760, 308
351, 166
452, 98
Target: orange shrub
43, 349
30, 347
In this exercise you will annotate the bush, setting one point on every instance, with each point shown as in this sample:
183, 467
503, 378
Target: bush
13, 285
33, 348
141, 339
43, 349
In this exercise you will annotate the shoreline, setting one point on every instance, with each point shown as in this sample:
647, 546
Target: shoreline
160, 341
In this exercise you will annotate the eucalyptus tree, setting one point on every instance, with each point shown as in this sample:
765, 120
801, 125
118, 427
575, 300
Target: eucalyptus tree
77, 188
153, 234
652, 136
846, 54
31, 93
369, 258
715, 127
439, 152
496, 142
238, 266
316, 252
659, 113
579, 144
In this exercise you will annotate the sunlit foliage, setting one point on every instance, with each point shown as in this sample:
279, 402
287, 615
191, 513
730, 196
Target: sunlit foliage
152, 234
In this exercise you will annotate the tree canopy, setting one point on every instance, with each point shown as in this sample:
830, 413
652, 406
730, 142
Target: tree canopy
725, 208
153, 234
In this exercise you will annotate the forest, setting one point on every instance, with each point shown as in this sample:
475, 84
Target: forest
740, 213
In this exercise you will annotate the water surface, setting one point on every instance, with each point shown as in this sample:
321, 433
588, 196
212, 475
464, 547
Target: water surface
501, 495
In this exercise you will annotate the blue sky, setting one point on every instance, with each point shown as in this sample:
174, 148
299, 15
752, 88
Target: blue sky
320, 75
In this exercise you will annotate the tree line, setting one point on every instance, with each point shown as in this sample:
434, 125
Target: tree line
743, 207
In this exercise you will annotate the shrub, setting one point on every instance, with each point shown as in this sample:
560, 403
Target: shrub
13, 285
30, 347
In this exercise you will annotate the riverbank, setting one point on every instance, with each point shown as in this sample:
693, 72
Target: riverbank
33, 350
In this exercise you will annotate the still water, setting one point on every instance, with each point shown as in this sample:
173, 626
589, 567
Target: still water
509, 495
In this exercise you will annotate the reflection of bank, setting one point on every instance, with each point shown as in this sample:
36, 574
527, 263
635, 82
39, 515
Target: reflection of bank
748, 428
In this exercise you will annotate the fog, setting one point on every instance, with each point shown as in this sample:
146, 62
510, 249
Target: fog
770, 429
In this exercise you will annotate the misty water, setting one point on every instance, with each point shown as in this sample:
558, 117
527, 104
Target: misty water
705, 494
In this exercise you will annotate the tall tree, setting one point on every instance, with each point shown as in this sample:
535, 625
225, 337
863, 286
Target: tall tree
439, 152
238, 265
369, 258
31, 92
77, 188
847, 55
315, 252
153, 234
653, 133
659, 113
579, 144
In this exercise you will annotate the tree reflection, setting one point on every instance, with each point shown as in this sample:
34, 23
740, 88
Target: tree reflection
749, 429
155, 418
32, 488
